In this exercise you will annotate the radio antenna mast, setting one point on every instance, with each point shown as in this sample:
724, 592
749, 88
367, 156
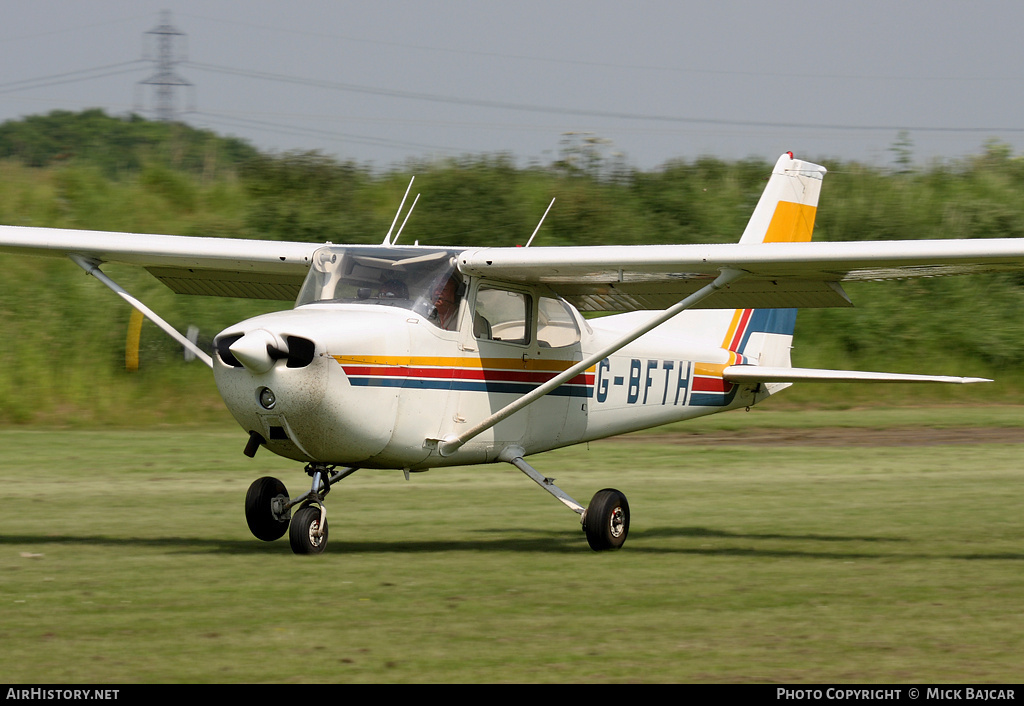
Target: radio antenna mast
541, 223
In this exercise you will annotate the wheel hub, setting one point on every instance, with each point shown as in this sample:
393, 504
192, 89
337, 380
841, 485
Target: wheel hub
315, 535
617, 522
279, 508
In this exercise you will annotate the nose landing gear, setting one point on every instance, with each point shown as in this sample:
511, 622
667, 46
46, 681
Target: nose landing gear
268, 509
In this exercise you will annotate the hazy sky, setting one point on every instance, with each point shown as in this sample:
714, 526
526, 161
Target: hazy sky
381, 81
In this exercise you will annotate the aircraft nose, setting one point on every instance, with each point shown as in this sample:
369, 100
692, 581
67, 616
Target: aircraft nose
258, 350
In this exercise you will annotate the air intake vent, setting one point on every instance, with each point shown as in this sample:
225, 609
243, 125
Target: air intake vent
300, 351
221, 346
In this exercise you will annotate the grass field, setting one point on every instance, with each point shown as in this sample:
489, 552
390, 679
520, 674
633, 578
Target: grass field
124, 558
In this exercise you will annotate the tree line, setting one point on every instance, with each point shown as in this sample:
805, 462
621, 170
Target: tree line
94, 171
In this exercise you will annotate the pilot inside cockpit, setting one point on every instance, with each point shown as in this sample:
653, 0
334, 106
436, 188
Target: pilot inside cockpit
444, 295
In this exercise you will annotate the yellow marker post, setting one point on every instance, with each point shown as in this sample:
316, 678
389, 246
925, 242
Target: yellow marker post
131, 346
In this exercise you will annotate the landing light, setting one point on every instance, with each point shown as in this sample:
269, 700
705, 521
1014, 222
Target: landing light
267, 398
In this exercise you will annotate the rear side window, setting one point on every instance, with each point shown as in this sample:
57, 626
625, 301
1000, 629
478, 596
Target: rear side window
556, 326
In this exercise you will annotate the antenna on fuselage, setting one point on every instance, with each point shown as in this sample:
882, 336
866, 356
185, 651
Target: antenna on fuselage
387, 238
395, 239
541, 223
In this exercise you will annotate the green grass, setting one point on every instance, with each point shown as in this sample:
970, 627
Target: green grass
124, 557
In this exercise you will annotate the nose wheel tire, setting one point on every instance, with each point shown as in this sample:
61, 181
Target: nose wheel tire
264, 509
606, 521
305, 533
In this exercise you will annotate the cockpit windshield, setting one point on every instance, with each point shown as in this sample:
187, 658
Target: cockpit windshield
424, 280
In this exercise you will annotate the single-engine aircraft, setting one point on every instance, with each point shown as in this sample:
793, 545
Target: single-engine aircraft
412, 357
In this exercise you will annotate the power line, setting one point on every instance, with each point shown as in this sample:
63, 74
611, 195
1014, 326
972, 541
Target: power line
70, 77
604, 64
313, 132
580, 112
66, 30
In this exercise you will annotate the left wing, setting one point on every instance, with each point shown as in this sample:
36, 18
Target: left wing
263, 269
777, 275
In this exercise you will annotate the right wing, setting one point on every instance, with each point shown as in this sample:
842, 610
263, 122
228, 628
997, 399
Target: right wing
262, 269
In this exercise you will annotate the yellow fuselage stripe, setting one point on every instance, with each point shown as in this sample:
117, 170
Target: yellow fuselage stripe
457, 362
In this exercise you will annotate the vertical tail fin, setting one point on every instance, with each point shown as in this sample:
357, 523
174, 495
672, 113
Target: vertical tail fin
784, 214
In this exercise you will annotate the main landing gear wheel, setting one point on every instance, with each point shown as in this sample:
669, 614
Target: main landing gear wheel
606, 521
265, 509
305, 534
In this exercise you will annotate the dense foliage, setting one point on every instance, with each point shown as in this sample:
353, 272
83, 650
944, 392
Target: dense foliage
89, 170
115, 145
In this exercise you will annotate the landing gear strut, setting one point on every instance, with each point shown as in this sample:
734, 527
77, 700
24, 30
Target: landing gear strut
268, 509
605, 521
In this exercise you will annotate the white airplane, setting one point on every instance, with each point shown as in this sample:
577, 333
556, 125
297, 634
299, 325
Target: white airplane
415, 357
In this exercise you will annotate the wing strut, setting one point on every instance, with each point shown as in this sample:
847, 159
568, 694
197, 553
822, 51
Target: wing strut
451, 443
92, 267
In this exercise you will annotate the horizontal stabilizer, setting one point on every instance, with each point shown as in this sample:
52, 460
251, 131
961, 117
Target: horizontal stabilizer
757, 373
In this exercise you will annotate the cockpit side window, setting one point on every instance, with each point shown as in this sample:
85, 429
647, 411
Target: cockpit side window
502, 315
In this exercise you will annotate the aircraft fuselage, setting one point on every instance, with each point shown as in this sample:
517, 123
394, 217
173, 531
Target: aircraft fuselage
381, 384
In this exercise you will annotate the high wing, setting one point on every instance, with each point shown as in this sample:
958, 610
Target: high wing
593, 278
797, 275
262, 269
